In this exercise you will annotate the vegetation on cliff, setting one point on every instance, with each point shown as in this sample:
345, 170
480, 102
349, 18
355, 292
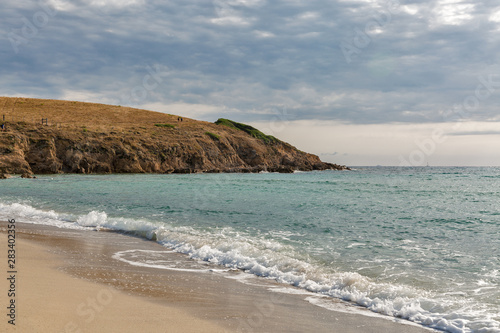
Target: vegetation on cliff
252, 131
77, 137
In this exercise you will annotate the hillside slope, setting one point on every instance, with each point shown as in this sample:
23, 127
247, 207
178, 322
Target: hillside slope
81, 137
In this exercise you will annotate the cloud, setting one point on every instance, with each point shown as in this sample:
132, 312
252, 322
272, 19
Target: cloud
476, 133
422, 58
396, 144
410, 62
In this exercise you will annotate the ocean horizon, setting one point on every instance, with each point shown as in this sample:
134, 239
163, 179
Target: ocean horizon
418, 243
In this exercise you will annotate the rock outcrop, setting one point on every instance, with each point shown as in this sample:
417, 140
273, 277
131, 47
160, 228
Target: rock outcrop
144, 142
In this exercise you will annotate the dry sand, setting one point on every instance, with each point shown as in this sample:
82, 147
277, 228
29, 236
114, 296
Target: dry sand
67, 281
51, 301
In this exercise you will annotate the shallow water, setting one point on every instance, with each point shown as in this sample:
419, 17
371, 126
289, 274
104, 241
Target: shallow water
416, 243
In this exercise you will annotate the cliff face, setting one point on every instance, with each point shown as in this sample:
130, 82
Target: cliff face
155, 143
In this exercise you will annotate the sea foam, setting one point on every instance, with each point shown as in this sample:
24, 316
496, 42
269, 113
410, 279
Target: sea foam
25, 213
269, 259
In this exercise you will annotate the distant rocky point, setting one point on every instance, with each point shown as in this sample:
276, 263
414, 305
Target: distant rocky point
53, 136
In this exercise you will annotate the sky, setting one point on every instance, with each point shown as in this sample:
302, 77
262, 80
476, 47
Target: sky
365, 82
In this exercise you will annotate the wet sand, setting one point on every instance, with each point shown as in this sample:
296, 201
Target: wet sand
68, 281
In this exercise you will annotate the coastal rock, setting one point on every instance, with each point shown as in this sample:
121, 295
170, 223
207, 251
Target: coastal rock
28, 175
94, 138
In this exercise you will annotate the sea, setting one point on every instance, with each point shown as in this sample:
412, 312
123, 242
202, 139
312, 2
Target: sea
418, 243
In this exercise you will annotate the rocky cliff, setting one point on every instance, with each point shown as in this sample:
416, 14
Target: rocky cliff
94, 138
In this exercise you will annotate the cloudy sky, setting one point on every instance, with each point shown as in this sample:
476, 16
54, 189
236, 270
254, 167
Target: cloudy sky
361, 82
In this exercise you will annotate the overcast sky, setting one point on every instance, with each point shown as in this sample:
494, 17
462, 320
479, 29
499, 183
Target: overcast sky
357, 82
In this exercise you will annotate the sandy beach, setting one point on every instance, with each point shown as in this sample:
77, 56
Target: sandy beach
67, 281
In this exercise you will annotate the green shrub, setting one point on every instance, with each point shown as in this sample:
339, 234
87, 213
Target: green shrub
248, 129
165, 125
213, 136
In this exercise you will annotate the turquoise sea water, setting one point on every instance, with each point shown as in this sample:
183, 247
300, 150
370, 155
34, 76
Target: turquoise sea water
416, 243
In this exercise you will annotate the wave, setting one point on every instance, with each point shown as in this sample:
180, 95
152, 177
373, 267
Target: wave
28, 214
271, 259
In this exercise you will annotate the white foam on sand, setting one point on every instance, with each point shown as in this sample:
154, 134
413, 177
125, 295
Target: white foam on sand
160, 260
270, 259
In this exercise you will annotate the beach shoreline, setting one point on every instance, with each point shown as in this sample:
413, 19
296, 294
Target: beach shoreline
70, 281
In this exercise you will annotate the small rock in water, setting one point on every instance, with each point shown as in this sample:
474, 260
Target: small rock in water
27, 175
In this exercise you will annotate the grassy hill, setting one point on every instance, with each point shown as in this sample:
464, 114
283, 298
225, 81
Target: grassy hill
54, 136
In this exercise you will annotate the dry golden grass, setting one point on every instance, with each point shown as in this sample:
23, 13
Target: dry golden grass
80, 114
108, 119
